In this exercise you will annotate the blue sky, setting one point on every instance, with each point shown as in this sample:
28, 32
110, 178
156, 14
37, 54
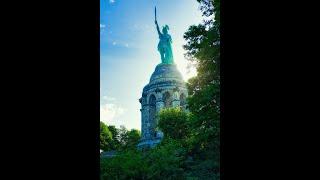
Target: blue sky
128, 51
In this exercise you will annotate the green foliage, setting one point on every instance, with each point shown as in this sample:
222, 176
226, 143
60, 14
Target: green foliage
105, 137
115, 143
163, 162
123, 136
112, 138
166, 161
203, 49
130, 139
173, 122
126, 165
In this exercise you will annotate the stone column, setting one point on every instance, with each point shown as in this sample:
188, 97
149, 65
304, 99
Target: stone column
159, 105
147, 125
144, 117
142, 125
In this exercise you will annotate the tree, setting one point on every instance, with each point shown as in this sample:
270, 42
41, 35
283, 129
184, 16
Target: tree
126, 165
105, 137
203, 49
123, 136
119, 139
128, 139
173, 122
166, 161
133, 138
115, 143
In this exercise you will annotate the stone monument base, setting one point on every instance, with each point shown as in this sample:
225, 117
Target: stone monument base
148, 143
165, 89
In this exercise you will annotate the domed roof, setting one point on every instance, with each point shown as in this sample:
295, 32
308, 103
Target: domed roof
165, 75
165, 71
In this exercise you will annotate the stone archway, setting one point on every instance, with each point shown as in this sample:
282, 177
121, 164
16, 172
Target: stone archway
183, 101
167, 100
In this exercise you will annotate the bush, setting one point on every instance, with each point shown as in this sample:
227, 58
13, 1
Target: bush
173, 122
164, 161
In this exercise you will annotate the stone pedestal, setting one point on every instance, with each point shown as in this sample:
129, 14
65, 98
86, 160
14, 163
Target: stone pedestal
165, 89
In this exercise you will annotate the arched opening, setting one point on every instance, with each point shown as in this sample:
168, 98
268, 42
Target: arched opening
167, 99
152, 113
152, 100
183, 101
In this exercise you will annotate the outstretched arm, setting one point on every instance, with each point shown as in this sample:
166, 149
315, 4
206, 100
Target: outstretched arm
157, 27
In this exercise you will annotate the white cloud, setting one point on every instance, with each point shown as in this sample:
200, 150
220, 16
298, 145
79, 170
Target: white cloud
107, 98
109, 113
114, 43
127, 45
112, 1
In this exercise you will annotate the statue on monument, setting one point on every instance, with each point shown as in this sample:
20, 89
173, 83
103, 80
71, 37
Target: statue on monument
164, 45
